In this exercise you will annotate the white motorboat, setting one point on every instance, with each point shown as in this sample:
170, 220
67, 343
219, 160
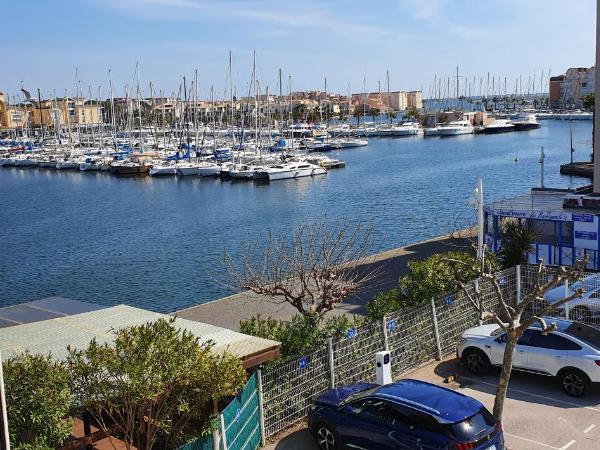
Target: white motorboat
431, 131
352, 142
455, 128
25, 161
161, 169
290, 170
67, 163
209, 169
186, 169
90, 165
407, 129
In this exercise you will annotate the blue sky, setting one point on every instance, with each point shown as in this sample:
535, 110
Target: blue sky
342, 40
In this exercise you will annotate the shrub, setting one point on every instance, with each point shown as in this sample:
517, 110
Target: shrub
433, 276
38, 401
153, 383
301, 334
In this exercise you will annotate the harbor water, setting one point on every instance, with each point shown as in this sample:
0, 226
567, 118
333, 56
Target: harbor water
158, 243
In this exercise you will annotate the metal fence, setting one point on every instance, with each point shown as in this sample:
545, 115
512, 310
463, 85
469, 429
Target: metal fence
277, 397
585, 309
414, 336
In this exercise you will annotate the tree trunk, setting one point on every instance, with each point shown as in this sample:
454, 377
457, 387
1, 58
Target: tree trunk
507, 363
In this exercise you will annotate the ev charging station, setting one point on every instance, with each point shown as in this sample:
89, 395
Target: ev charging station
383, 368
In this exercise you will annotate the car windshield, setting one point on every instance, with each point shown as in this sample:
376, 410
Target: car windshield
585, 333
358, 394
474, 427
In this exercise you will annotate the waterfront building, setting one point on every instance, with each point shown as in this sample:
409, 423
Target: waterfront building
567, 90
12, 116
567, 224
60, 111
396, 100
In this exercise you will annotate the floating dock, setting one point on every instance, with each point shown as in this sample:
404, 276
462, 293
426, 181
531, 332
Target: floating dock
578, 169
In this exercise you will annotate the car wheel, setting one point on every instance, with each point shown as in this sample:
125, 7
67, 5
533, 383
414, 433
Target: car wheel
581, 314
476, 361
574, 382
326, 437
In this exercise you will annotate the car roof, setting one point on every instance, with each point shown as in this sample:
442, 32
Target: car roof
446, 405
561, 324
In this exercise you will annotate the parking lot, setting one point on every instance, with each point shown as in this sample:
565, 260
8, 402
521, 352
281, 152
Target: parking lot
537, 414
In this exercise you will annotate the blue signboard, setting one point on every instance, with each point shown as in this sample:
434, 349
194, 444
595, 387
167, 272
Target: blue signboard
392, 325
501, 281
448, 300
589, 235
302, 362
583, 217
351, 333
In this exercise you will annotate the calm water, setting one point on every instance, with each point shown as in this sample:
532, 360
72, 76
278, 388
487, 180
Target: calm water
158, 243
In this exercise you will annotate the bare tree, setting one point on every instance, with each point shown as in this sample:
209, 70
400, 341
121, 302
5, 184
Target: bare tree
514, 320
315, 268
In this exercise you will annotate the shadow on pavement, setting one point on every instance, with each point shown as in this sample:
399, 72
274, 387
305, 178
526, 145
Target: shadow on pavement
298, 440
523, 386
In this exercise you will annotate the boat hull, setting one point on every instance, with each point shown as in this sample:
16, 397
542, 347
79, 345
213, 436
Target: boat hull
498, 130
187, 171
129, 170
526, 126
288, 174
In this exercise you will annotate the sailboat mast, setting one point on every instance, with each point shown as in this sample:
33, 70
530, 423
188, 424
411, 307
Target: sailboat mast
389, 106
196, 109
112, 110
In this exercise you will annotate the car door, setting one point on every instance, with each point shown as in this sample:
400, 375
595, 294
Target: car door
414, 430
548, 353
521, 350
365, 426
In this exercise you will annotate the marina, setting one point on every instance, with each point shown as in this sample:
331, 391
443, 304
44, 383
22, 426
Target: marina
161, 240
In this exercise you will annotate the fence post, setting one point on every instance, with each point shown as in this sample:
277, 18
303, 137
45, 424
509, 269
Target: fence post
518, 274
436, 331
331, 362
386, 345
261, 407
223, 437
567, 293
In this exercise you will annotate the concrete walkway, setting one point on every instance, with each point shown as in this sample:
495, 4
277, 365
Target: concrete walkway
227, 312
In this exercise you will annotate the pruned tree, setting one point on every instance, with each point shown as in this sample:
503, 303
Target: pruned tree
515, 319
317, 267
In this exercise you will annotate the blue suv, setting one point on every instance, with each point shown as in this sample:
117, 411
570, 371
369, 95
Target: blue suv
409, 414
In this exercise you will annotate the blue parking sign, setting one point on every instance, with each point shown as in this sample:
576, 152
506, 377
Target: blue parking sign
448, 300
302, 362
392, 325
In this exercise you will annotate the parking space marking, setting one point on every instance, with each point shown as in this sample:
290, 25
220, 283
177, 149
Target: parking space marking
588, 429
568, 444
564, 402
531, 441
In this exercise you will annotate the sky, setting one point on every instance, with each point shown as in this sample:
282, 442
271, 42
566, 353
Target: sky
51, 43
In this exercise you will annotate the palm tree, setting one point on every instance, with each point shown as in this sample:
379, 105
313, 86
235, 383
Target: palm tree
517, 240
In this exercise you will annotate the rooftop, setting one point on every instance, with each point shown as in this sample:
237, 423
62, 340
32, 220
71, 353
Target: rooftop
77, 330
538, 204
447, 405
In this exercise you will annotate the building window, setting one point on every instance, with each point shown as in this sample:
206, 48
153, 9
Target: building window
546, 231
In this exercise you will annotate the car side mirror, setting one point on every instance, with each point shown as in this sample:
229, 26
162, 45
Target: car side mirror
348, 410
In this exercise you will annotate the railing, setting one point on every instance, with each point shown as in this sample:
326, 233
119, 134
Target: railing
414, 336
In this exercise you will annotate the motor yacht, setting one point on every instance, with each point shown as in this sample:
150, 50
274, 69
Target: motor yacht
455, 128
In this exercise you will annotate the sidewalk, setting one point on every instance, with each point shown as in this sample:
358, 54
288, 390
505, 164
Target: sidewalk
227, 312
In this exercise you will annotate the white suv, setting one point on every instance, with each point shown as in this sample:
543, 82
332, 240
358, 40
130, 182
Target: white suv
571, 353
